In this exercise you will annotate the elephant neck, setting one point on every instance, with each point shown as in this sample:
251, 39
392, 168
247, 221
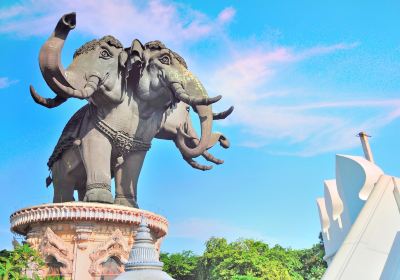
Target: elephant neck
151, 115
120, 117
122, 141
137, 118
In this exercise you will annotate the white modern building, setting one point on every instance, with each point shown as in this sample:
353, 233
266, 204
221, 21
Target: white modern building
360, 220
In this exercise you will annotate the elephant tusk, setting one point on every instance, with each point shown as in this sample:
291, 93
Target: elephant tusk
201, 101
189, 137
193, 101
46, 102
90, 87
222, 115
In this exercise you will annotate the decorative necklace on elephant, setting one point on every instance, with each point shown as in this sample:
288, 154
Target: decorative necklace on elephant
122, 141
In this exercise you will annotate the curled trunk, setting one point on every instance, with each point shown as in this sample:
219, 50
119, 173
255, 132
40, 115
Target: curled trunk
206, 117
50, 54
50, 62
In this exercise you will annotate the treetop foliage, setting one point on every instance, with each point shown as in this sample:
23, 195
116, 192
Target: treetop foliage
15, 264
246, 259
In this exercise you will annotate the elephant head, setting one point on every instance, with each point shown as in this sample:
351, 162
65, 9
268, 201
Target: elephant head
164, 77
96, 67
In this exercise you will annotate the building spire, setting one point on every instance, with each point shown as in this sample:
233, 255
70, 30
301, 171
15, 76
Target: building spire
143, 263
367, 149
143, 253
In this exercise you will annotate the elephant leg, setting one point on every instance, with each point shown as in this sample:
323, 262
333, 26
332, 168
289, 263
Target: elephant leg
81, 191
96, 155
63, 183
68, 172
126, 179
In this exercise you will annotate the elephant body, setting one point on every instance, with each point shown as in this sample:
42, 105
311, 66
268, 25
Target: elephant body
131, 92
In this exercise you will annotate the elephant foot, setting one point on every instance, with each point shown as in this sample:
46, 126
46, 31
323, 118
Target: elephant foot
126, 201
98, 193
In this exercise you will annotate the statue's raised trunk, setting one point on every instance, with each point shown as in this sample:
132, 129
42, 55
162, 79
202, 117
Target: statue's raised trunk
50, 54
205, 115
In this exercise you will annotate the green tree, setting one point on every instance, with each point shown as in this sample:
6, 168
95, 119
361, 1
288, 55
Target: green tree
246, 259
240, 277
181, 266
289, 258
314, 265
14, 264
242, 258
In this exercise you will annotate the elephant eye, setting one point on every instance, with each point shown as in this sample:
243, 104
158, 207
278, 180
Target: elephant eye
165, 59
105, 54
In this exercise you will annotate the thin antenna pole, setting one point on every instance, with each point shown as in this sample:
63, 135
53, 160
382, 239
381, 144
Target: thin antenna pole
367, 149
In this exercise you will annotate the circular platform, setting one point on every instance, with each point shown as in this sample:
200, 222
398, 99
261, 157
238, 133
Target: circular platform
90, 240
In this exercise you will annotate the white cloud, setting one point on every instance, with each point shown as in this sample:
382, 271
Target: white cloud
172, 23
6, 82
12, 12
200, 229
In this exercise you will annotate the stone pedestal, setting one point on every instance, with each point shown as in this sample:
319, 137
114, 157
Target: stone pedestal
84, 240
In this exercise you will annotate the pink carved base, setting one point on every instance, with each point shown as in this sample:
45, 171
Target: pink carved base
79, 240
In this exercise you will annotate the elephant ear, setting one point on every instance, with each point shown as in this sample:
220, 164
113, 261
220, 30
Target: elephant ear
123, 57
134, 57
136, 52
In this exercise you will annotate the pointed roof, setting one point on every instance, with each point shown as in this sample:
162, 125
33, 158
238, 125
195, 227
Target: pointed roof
144, 263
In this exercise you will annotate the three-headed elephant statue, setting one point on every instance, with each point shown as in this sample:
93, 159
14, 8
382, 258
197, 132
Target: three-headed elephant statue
129, 93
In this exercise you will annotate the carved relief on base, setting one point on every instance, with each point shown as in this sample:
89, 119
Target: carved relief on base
52, 246
83, 236
114, 247
84, 240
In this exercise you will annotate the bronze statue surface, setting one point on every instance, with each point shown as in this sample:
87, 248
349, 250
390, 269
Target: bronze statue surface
134, 95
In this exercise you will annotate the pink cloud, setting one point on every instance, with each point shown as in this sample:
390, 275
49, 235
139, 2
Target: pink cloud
226, 15
155, 19
319, 122
249, 70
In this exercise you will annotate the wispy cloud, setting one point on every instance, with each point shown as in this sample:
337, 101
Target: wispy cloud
321, 50
200, 229
172, 23
245, 74
308, 121
6, 82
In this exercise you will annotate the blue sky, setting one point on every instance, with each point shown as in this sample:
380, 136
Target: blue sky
304, 76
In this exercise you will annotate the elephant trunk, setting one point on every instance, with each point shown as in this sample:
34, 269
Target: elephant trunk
205, 115
204, 111
50, 62
50, 54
